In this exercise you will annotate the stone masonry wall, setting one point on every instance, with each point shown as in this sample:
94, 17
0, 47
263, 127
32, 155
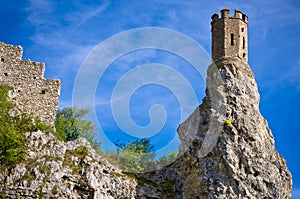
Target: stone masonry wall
31, 92
229, 35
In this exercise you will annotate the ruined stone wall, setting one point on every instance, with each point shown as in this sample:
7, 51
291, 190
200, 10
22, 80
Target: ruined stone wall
31, 92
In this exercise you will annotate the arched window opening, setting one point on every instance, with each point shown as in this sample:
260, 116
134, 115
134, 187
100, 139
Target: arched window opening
232, 39
244, 43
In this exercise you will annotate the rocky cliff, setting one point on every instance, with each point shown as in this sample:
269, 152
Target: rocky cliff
55, 169
227, 148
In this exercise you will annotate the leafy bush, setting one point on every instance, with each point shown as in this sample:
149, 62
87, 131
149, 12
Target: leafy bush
70, 125
167, 158
136, 155
12, 127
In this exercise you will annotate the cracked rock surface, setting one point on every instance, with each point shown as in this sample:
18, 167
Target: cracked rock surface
64, 170
236, 158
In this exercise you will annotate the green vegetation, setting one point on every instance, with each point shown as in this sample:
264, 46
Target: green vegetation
166, 187
139, 156
167, 158
112, 157
136, 155
40, 194
13, 124
54, 190
81, 152
2, 195
70, 125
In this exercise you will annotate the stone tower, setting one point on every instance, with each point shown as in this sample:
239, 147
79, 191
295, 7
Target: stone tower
229, 35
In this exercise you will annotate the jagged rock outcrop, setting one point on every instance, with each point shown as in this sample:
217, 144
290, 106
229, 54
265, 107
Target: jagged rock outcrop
55, 169
227, 148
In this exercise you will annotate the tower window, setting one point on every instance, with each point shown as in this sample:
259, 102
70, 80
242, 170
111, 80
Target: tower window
232, 39
2, 59
244, 42
244, 17
243, 29
244, 55
44, 91
5, 74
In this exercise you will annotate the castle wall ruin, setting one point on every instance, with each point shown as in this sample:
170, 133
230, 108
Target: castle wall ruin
31, 92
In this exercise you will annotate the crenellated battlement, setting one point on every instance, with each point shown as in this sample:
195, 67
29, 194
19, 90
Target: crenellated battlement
31, 92
225, 13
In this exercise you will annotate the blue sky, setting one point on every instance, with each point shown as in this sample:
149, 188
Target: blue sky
63, 33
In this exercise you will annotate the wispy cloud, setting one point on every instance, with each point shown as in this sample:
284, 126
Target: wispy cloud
84, 13
38, 9
266, 17
292, 75
58, 38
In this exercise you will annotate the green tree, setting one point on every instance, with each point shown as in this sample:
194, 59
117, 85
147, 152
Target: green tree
70, 125
136, 156
167, 158
12, 126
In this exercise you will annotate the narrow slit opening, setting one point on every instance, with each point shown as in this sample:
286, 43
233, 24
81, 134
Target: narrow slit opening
244, 17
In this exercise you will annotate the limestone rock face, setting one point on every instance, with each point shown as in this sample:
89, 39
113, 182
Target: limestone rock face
64, 170
227, 148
